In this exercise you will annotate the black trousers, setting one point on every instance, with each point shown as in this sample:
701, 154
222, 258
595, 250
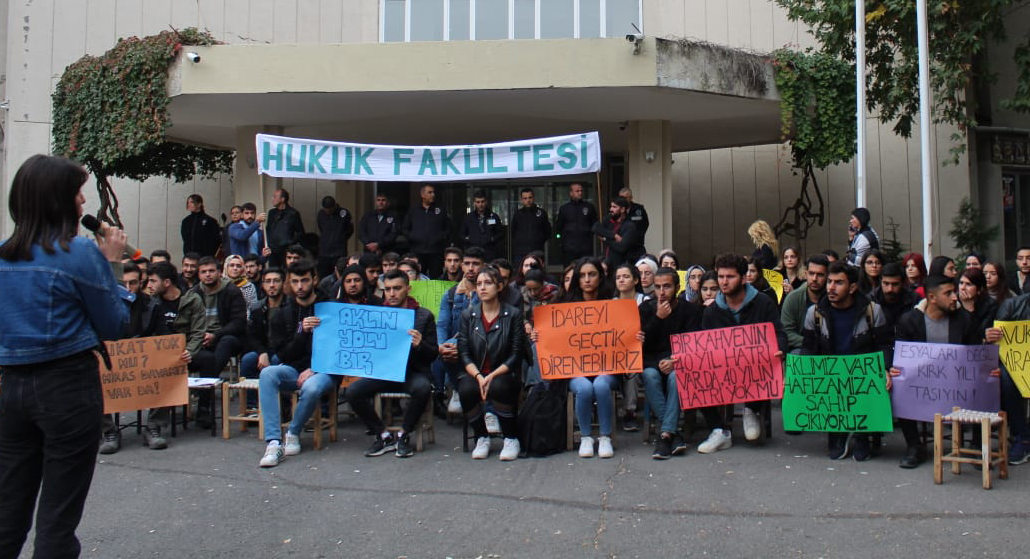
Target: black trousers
360, 396
503, 394
50, 419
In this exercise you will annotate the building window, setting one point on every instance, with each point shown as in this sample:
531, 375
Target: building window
462, 20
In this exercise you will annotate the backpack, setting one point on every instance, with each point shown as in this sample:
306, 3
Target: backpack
541, 420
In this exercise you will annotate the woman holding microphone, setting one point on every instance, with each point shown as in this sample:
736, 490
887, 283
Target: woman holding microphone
62, 300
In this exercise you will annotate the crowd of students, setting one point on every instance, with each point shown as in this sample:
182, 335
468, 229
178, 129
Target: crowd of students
480, 344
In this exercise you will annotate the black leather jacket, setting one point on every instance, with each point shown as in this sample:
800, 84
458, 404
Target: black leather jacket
504, 343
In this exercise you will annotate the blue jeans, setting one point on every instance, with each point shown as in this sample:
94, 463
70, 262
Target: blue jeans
663, 397
248, 369
50, 416
283, 378
248, 363
587, 391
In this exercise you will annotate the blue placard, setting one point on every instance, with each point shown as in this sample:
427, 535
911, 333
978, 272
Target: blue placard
362, 341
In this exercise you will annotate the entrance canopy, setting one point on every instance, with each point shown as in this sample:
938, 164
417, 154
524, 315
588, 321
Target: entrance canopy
456, 92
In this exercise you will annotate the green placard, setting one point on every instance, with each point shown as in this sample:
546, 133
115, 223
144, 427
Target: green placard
429, 293
836, 393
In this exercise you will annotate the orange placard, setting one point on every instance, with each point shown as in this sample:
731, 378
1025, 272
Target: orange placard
588, 339
146, 373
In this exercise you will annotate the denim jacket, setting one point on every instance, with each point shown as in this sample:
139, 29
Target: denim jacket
58, 304
448, 321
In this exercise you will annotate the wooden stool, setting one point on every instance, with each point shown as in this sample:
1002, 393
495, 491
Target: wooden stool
959, 455
319, 421
570, 419
241, 417
424, 429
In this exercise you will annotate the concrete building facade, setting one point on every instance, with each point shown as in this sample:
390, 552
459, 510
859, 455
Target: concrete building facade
698, 143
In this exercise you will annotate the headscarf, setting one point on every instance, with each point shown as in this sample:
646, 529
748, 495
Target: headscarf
689, 294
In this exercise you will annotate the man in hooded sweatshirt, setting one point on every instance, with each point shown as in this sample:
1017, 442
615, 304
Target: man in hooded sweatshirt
736, 304
862, 237
225, 325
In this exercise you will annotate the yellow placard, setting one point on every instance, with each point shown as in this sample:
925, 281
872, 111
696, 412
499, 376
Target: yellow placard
775, 280
1015, 352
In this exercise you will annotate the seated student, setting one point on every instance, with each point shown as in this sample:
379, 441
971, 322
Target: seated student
588, 284
233, 270
390, 261
291, 335
252, 268
373, 266
627, 286
660, 317
795, 304
893, 297
295, 253
451, 264
328, 285
225, 327
846, 322
188, 278
412, 257
411, 269
448, 322
756, 277
416, 383
491, 342
737, 303
176, 311
259, 327
509, 293
353, 288
940, 323
536, 292
160, 255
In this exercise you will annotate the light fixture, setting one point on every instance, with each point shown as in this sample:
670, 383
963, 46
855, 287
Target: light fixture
649, 156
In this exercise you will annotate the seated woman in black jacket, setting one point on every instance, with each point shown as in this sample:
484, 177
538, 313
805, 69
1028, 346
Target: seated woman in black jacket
491, 341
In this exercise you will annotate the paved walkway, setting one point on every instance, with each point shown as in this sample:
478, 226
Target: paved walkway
205, 497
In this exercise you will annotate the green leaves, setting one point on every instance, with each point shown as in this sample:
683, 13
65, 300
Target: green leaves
817, 106
111, 113
968, 229
959, 31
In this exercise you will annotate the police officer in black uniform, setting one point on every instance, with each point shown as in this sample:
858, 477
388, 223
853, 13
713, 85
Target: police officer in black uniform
335, 227
378, 228
428, 230
575, 220
530, 228
482, 227
637, 214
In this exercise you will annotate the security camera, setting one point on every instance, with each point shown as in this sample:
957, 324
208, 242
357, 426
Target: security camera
194, 57
635, 39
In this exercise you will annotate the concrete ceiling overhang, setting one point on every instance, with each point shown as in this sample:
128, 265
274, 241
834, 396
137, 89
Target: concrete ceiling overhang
476, 92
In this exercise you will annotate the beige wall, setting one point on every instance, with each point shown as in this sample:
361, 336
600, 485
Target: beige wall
45, 36
716, 191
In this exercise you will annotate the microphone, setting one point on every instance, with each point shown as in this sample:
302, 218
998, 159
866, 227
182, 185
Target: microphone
93, 224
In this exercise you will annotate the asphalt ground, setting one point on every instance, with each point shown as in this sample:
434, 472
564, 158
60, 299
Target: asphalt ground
207, 497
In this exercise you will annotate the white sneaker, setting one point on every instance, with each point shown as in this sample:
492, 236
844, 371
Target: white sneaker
292, 444
586, 447
493, 426
454, 406
511, 450
482, 449
273, 455
604, 447
752, 427
720, 439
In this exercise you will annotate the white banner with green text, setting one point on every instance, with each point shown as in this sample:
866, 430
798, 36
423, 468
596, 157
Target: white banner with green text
280, 156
